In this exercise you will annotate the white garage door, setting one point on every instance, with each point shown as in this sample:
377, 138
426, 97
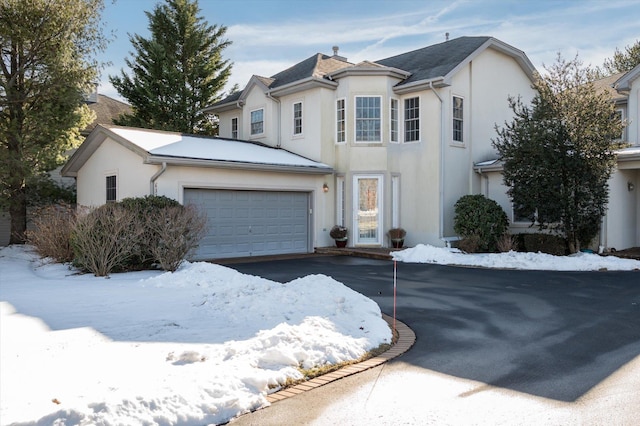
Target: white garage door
251, 223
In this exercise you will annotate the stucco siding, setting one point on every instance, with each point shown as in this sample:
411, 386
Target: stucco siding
111, 158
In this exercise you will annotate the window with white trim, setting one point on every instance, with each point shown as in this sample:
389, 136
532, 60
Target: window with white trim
412, 119
234, 128
619, 113
257, 121
112, 188
341, 132
393, 120
368, 118
297, 118
458, 119
340, 200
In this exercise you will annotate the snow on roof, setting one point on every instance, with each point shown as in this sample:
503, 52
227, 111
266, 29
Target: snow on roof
178, 145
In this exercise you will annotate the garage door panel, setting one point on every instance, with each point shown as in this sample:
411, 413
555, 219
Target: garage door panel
251, 223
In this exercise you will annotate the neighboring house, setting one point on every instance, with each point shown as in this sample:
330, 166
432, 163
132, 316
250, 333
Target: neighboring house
372, 146
106, 110
620, 226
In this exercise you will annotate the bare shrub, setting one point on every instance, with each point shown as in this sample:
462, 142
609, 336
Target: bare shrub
105, 238
51, 233
177, 232
507, 243
470, 244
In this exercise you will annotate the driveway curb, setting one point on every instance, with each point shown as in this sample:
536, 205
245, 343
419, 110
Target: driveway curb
406, 339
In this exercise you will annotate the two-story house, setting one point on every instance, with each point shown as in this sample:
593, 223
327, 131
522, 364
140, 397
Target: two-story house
370, 146
402, 134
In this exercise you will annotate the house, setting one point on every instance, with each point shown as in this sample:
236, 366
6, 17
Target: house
620, 226
374, 145
106, 110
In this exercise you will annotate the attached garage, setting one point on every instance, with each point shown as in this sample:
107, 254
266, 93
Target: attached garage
251, 223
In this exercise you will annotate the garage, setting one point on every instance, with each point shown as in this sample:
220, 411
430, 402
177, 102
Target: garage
251, 223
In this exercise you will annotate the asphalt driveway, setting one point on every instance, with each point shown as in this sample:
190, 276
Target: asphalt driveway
493, 346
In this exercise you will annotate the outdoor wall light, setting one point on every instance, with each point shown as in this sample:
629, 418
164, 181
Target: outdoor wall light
325, 188
630, 186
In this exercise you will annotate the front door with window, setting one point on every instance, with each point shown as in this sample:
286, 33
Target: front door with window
367, 209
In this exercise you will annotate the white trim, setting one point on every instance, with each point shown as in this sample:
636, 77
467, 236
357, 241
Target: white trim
344, 120
395, 201
379, 206
397, 101
264, 121
404, 120
464, 117
237, 119
107, 174
293, 116
355, 119
340, 201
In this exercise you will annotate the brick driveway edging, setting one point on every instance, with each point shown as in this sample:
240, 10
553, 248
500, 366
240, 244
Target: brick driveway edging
406, 339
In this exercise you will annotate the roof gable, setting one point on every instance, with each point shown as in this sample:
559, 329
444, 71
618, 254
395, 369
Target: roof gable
625, 82
158, 147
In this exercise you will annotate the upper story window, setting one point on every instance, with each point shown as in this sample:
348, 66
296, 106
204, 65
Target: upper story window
297, 118
393, 117
368, 119
619, 114
412, 119
257, 121
341, 135
458, 119
112, 189
234, 128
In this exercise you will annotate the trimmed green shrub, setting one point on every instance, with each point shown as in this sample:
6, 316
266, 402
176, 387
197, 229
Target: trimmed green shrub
482, 217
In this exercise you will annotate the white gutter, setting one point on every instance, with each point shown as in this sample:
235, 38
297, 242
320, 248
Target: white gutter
155, 177
276, 100
441, 188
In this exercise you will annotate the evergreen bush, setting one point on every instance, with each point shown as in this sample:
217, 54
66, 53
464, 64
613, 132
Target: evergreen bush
476, 215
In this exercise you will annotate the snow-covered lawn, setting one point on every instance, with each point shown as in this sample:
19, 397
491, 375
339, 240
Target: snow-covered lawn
198, 346
513, 260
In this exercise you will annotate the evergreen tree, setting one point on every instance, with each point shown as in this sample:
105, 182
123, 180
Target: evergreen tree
623, 61
46, 70
176, 72
559, 153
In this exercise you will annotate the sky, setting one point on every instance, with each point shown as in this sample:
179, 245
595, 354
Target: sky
269, 36
197, 346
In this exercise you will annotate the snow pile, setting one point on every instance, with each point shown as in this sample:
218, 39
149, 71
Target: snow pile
515, 260
198, 346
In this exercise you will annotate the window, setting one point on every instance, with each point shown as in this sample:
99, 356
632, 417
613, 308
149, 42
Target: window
619, 114
234, 128
394, 120
458, 119
341, 134
340, 200
297, 118
368, 118
395, 201
412, 119
257, 121
112, 194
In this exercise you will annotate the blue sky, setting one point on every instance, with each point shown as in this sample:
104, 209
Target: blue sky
271, 35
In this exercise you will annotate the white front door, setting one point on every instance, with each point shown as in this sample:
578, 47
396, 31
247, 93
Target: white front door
367, 207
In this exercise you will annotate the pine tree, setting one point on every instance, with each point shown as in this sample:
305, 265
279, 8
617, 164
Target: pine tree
559, 153
47, 69
176, 72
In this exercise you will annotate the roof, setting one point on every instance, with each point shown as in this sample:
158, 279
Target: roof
314, 68
437, 62
606, 85
624, 83
157, 147
107, 109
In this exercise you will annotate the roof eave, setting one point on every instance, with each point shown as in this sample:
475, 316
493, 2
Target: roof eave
624, 83
304, 84
370, 71
420, 85
237, 165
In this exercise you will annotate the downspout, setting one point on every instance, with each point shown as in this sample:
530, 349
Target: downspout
441, 189
155, 177
276, 100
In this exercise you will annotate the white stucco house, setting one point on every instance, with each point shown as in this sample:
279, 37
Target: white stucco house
620, 227
371, 146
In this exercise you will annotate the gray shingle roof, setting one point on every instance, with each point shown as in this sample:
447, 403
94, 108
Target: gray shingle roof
436, 60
